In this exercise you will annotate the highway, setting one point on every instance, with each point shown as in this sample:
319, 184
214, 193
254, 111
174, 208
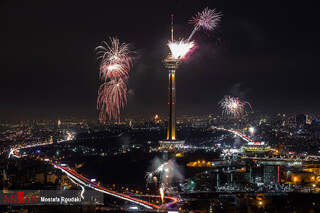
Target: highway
236, 133
87, 183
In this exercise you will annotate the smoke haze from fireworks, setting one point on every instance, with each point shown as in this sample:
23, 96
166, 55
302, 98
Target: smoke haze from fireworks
180, 48
208, 19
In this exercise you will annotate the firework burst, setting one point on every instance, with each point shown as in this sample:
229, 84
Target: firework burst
232, 106
208, 19
112, 96
115, 59
115, 66
181, 48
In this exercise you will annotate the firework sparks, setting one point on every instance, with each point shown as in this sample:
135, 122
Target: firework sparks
208, 19
113, 70
181, 48
164, 174
232, 106
112, 96
162, 171
114, 67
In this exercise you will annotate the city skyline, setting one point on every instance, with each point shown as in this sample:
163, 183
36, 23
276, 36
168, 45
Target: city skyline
159, 106
49, 68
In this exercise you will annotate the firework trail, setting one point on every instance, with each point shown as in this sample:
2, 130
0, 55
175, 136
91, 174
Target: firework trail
181, 48
232, 106
112, 96
208, 19
162, 193
115, 66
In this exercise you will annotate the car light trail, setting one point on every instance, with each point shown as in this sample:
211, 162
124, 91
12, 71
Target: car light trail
174, 200
86, 182
236, 133
82, 192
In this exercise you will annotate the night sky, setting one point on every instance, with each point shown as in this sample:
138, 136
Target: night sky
266, 52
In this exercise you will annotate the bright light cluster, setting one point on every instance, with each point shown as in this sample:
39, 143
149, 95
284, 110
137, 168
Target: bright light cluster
181, 48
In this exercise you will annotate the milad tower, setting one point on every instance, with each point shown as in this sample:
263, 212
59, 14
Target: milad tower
172, 64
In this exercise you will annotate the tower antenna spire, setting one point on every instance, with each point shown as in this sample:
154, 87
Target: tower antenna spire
172, 27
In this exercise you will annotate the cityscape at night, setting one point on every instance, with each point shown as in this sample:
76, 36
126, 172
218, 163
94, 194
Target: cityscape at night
159, 106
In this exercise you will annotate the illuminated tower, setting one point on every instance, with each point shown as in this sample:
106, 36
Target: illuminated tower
172, 64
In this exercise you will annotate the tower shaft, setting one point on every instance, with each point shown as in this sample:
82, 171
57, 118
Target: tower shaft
171, 132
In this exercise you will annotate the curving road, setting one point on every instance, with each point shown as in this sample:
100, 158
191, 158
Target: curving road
85, 182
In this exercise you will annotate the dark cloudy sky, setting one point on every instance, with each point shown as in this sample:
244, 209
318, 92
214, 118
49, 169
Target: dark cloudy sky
267, 52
